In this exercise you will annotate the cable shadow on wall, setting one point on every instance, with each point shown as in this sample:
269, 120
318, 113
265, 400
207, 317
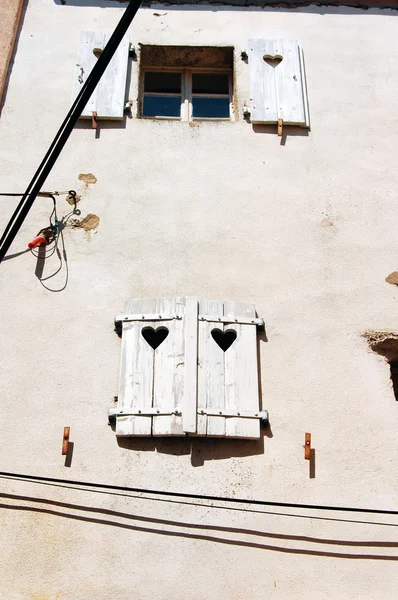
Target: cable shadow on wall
200, 527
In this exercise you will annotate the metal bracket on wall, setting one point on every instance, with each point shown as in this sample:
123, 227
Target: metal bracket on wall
307, 446
65, 441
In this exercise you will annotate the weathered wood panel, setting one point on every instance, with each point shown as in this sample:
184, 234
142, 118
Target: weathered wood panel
169, 371
108, 98
241, 375
277, 82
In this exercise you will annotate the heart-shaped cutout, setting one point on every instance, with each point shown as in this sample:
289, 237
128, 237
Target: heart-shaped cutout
224, 339
154, 337
273, 61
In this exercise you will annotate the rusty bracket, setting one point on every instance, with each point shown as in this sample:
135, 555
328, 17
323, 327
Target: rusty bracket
65, 441
280, 127
307, 446
94, 121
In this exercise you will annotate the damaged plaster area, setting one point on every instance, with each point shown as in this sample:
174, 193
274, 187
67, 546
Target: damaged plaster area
392, 278
87, 178
89, 224
384, 343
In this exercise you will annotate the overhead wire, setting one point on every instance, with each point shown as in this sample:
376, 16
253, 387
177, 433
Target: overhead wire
233, 508
188, 495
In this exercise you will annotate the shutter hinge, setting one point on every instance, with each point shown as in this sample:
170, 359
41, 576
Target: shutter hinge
231, 320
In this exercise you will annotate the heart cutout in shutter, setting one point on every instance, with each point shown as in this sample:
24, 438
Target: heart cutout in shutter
154, 337
273, 61
224, 339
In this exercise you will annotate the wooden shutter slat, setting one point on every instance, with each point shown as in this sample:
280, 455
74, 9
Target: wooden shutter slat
169, 371
241, 378
136, 376
263, 107
84, 63
210, 372
112, 87
191, 366
289, 83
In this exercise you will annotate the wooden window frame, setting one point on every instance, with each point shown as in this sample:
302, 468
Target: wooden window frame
186, 93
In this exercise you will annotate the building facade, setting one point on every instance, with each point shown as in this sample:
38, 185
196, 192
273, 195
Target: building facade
182, 195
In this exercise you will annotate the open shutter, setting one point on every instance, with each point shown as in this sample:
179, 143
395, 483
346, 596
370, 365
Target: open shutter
188, 367
277, 83
108, 99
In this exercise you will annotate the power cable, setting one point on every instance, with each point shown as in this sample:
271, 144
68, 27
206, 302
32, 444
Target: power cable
42, 194
198, 496
52, 154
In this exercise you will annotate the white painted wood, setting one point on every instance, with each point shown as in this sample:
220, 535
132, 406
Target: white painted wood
112, 92
191, 365
169, 371
241, 374
210, 372
277, 92
188, 384
85, 61
108, 99
136, 372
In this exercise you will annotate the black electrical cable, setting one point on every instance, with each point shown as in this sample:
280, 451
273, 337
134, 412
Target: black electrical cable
198, 496
66, 129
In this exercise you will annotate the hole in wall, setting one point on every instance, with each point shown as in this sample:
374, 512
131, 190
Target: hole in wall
273, 61
385, 343
394, 377
154, 337
224, 339
97, 52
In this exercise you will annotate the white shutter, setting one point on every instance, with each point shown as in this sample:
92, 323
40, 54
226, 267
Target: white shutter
277, 83
186, 381
108, 99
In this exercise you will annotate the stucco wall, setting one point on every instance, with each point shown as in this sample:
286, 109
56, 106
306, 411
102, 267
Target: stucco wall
305, 229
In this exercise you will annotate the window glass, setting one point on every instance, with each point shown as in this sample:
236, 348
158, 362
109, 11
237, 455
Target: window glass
210, 83
162, 82
216, 108
161, 106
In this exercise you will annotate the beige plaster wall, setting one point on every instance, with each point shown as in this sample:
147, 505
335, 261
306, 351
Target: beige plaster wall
305, 229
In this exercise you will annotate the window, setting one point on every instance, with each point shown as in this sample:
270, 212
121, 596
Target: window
188, 367
186, 83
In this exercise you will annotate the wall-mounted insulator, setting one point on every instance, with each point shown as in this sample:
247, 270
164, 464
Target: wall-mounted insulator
246, 112
244, 56
132, 52
128, 107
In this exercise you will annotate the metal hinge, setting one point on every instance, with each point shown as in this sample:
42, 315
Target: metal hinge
238, 320
126, 318
226, 412
145, 412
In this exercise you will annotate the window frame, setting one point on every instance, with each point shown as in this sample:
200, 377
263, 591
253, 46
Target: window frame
186, 93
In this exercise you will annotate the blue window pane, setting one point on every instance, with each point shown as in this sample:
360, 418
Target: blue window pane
216, 108
161, 106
